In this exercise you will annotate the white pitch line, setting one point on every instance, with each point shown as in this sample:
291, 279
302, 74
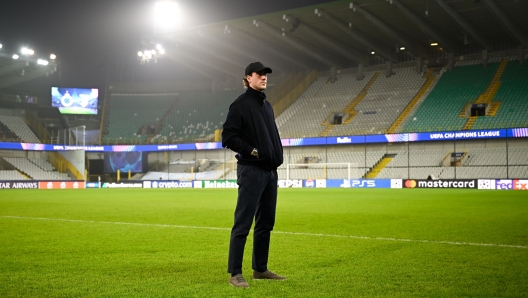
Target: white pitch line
275, 232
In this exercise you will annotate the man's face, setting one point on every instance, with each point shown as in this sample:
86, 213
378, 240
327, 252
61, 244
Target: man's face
258, 80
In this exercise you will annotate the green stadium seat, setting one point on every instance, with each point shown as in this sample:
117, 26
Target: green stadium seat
440, 110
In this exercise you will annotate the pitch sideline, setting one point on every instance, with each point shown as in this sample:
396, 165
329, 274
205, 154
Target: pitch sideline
275, 232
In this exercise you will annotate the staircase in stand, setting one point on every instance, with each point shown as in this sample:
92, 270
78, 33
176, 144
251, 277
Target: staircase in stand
487, 96
430, 79
385, 160
349, 109
161, 121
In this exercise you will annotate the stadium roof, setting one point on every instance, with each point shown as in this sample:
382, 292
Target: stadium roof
15, 71
344, 34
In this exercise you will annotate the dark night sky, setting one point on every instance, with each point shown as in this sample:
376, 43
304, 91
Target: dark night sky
87, 35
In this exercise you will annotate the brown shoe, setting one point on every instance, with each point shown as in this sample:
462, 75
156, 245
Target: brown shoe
238, 281
267, 275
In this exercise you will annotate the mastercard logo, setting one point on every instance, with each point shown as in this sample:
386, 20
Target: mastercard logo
410, 184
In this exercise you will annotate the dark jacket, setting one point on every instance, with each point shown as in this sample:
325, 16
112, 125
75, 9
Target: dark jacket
251, 124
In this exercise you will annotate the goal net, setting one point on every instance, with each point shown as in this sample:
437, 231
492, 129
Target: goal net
323, 171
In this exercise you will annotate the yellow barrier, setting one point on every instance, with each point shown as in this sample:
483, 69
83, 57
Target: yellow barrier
37, 127
63, 166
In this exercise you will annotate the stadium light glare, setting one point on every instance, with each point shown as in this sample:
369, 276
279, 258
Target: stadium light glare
151, 55
167, 16
27, 52
15, 56
0, 45
53, 56
42, 62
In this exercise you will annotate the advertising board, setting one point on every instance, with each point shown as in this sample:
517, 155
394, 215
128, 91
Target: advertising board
503, 184
18, 184
122, 185
441, 183
61, 184
290, 183
167, 184
364, 139
92, 185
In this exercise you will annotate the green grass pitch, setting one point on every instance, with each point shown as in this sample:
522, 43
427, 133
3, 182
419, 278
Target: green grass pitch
328, 242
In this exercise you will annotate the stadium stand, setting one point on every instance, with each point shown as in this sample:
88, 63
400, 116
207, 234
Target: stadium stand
305, 116
20, 128
440, 110
196, 116
6, 135
366, 109
11, 175
30, 168
384, 102
513, 97
130, 113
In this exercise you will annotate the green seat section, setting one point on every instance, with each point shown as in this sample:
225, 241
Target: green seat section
513, 95
130, 112
440, 110
196, 116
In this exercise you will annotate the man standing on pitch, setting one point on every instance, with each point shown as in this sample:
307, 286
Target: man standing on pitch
250, 130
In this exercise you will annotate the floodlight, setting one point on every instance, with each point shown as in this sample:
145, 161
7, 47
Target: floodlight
161, 51
167, 16
434, 44
15, 56
53, 56
140, 53
373, 52
42, 62
0, 45
27, 52
402, 48
159, 47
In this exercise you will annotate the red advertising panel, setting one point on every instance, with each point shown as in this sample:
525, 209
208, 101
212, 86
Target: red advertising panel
61, 184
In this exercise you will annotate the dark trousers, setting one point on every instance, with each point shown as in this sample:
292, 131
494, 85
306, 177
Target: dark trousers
257, 198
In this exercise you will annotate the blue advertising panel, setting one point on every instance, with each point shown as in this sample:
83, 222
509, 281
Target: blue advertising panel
386, 138
461, 135
345, 140
303, 142
358, 183
375, 139
93, 185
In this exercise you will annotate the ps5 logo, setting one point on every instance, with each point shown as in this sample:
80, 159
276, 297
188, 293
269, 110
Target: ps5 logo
362, 183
